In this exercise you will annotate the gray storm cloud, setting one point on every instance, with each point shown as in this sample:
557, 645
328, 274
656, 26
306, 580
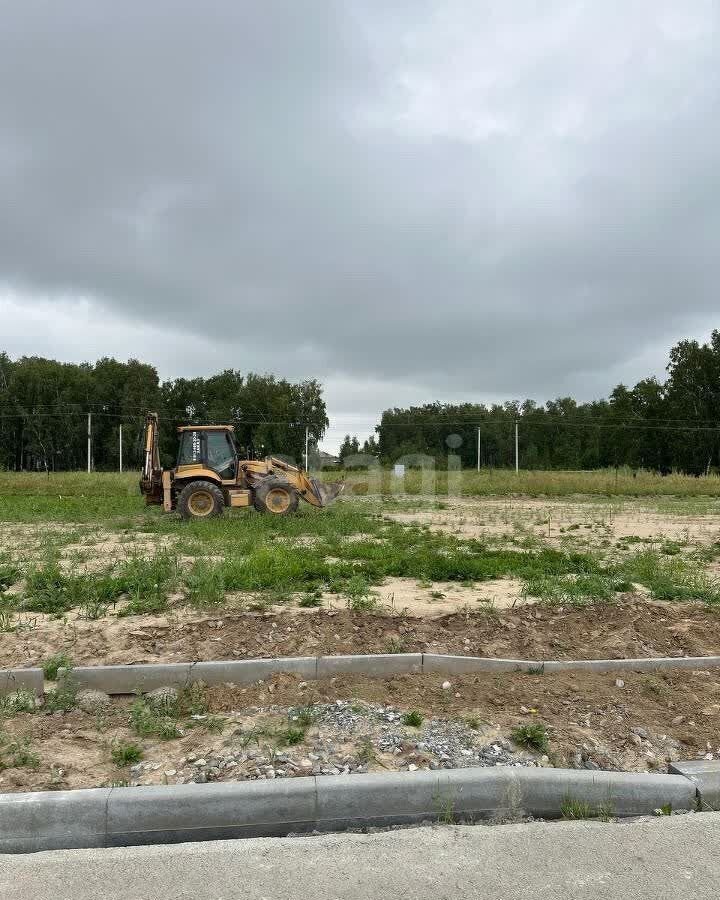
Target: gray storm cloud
471, 199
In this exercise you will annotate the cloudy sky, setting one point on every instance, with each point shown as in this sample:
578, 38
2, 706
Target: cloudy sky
410, 200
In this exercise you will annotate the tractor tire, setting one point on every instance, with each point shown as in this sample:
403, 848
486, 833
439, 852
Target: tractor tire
275, 496
200, 500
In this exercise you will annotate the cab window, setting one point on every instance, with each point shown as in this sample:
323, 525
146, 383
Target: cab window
221, 453
190, 449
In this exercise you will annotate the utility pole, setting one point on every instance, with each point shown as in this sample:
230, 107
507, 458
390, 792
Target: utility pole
121, 446
307, 444
478, 459
89, 442
517, 455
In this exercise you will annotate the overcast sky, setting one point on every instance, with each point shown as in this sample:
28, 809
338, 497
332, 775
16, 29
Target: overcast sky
410, 201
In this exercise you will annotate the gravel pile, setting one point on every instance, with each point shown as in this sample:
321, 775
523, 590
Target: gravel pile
342, 738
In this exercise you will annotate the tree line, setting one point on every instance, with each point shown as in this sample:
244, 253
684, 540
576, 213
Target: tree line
661, 425
44, 406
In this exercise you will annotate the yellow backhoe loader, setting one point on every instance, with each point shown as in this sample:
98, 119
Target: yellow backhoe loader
210, 476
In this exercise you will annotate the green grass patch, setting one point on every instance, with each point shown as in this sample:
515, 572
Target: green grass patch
532, 736
125, 754
574, 809
55, 662
412, 719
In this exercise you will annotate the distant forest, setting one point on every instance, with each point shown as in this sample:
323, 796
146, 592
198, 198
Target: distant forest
664, 426
44, 406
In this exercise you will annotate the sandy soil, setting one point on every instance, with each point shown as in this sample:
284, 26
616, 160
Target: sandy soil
632, 627
413, 598
557, 521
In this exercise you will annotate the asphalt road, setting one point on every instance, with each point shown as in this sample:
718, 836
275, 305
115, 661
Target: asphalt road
653, 858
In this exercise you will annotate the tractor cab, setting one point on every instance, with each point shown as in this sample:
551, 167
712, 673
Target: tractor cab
209, 446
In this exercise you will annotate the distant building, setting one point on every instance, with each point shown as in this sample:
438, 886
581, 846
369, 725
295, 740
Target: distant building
326, 460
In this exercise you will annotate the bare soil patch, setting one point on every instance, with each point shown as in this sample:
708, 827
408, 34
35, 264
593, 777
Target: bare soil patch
611, 721
631, 627
557, 521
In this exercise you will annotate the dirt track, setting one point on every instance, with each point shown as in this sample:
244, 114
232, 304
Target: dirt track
632, 627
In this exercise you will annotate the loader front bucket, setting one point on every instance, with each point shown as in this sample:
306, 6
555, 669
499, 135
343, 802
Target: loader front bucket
326, 493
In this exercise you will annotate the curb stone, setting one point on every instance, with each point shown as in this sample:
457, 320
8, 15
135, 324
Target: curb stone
121, 817
128, 679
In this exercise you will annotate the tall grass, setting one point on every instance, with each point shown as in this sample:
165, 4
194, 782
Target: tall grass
505, 482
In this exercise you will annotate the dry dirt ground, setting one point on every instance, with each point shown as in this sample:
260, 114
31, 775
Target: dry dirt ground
557, 522
614, 721
630, 627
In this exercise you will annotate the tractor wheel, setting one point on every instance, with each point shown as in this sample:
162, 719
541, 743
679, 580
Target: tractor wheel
200, 500
276, 497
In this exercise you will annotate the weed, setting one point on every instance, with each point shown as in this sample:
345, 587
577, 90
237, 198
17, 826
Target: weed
445, 807
359, 594
310, 599
9, 574
571, 808
63, 698
50, 590
574, 809
124, 754
193, 699
57, 661
473, 722
205, 584
147, 583
396, 645
413, 719
304, 716
653, 686
146, 721
573, 589
7, 615
17, 702
532, 736
290, 736
366, 752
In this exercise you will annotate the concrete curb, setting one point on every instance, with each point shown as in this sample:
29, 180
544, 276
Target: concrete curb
22, 679
130, 679
438, 662
117, 817
705, 775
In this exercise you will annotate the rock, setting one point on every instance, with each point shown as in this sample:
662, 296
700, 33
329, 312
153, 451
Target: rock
640, 732
163, 700
619, 683
446, 685
93, 702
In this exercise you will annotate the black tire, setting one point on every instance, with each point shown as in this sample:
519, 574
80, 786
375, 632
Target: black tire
275, 496
200, 500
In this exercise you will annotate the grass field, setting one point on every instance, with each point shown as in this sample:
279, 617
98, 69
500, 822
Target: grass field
87, 542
